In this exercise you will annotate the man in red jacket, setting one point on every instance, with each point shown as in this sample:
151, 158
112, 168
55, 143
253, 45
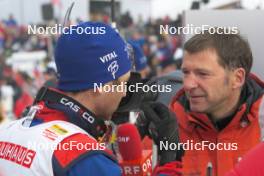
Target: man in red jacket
220, 107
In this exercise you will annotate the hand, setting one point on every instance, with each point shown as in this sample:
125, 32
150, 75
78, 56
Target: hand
161, 125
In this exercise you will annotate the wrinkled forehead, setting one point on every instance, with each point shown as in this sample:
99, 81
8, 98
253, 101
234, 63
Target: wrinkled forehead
205, 59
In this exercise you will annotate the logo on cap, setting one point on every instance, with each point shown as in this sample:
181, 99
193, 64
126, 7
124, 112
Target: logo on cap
108, 57
113, 68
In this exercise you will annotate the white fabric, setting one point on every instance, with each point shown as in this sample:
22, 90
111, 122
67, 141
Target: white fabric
39, 138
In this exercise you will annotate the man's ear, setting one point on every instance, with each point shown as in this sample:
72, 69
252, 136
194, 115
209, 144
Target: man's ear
239, 77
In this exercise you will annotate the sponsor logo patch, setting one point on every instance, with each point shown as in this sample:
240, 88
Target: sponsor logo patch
58, 130
17, 154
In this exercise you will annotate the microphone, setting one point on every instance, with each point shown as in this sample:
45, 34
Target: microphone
135, 161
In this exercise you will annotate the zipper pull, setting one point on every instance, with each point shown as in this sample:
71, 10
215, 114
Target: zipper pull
209, 169
31, 114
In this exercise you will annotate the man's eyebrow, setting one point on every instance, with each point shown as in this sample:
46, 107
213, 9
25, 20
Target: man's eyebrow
203, 70
198, 70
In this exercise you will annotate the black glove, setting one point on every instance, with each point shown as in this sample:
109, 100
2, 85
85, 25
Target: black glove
142, 124
161, 125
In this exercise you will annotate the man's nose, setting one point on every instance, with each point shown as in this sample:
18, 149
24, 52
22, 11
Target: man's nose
190, 82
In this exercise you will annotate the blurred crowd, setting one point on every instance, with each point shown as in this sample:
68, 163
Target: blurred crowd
17, 88
163, 51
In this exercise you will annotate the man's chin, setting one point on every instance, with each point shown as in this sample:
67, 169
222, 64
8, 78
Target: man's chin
197, 109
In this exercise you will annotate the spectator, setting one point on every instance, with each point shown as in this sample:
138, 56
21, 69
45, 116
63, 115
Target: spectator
140, 60
167, 66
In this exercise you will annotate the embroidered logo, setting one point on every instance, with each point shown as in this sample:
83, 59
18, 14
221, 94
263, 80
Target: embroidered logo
113, 68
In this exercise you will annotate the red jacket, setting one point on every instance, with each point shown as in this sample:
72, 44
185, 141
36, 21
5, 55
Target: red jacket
24, 101
245, 130
251, 164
